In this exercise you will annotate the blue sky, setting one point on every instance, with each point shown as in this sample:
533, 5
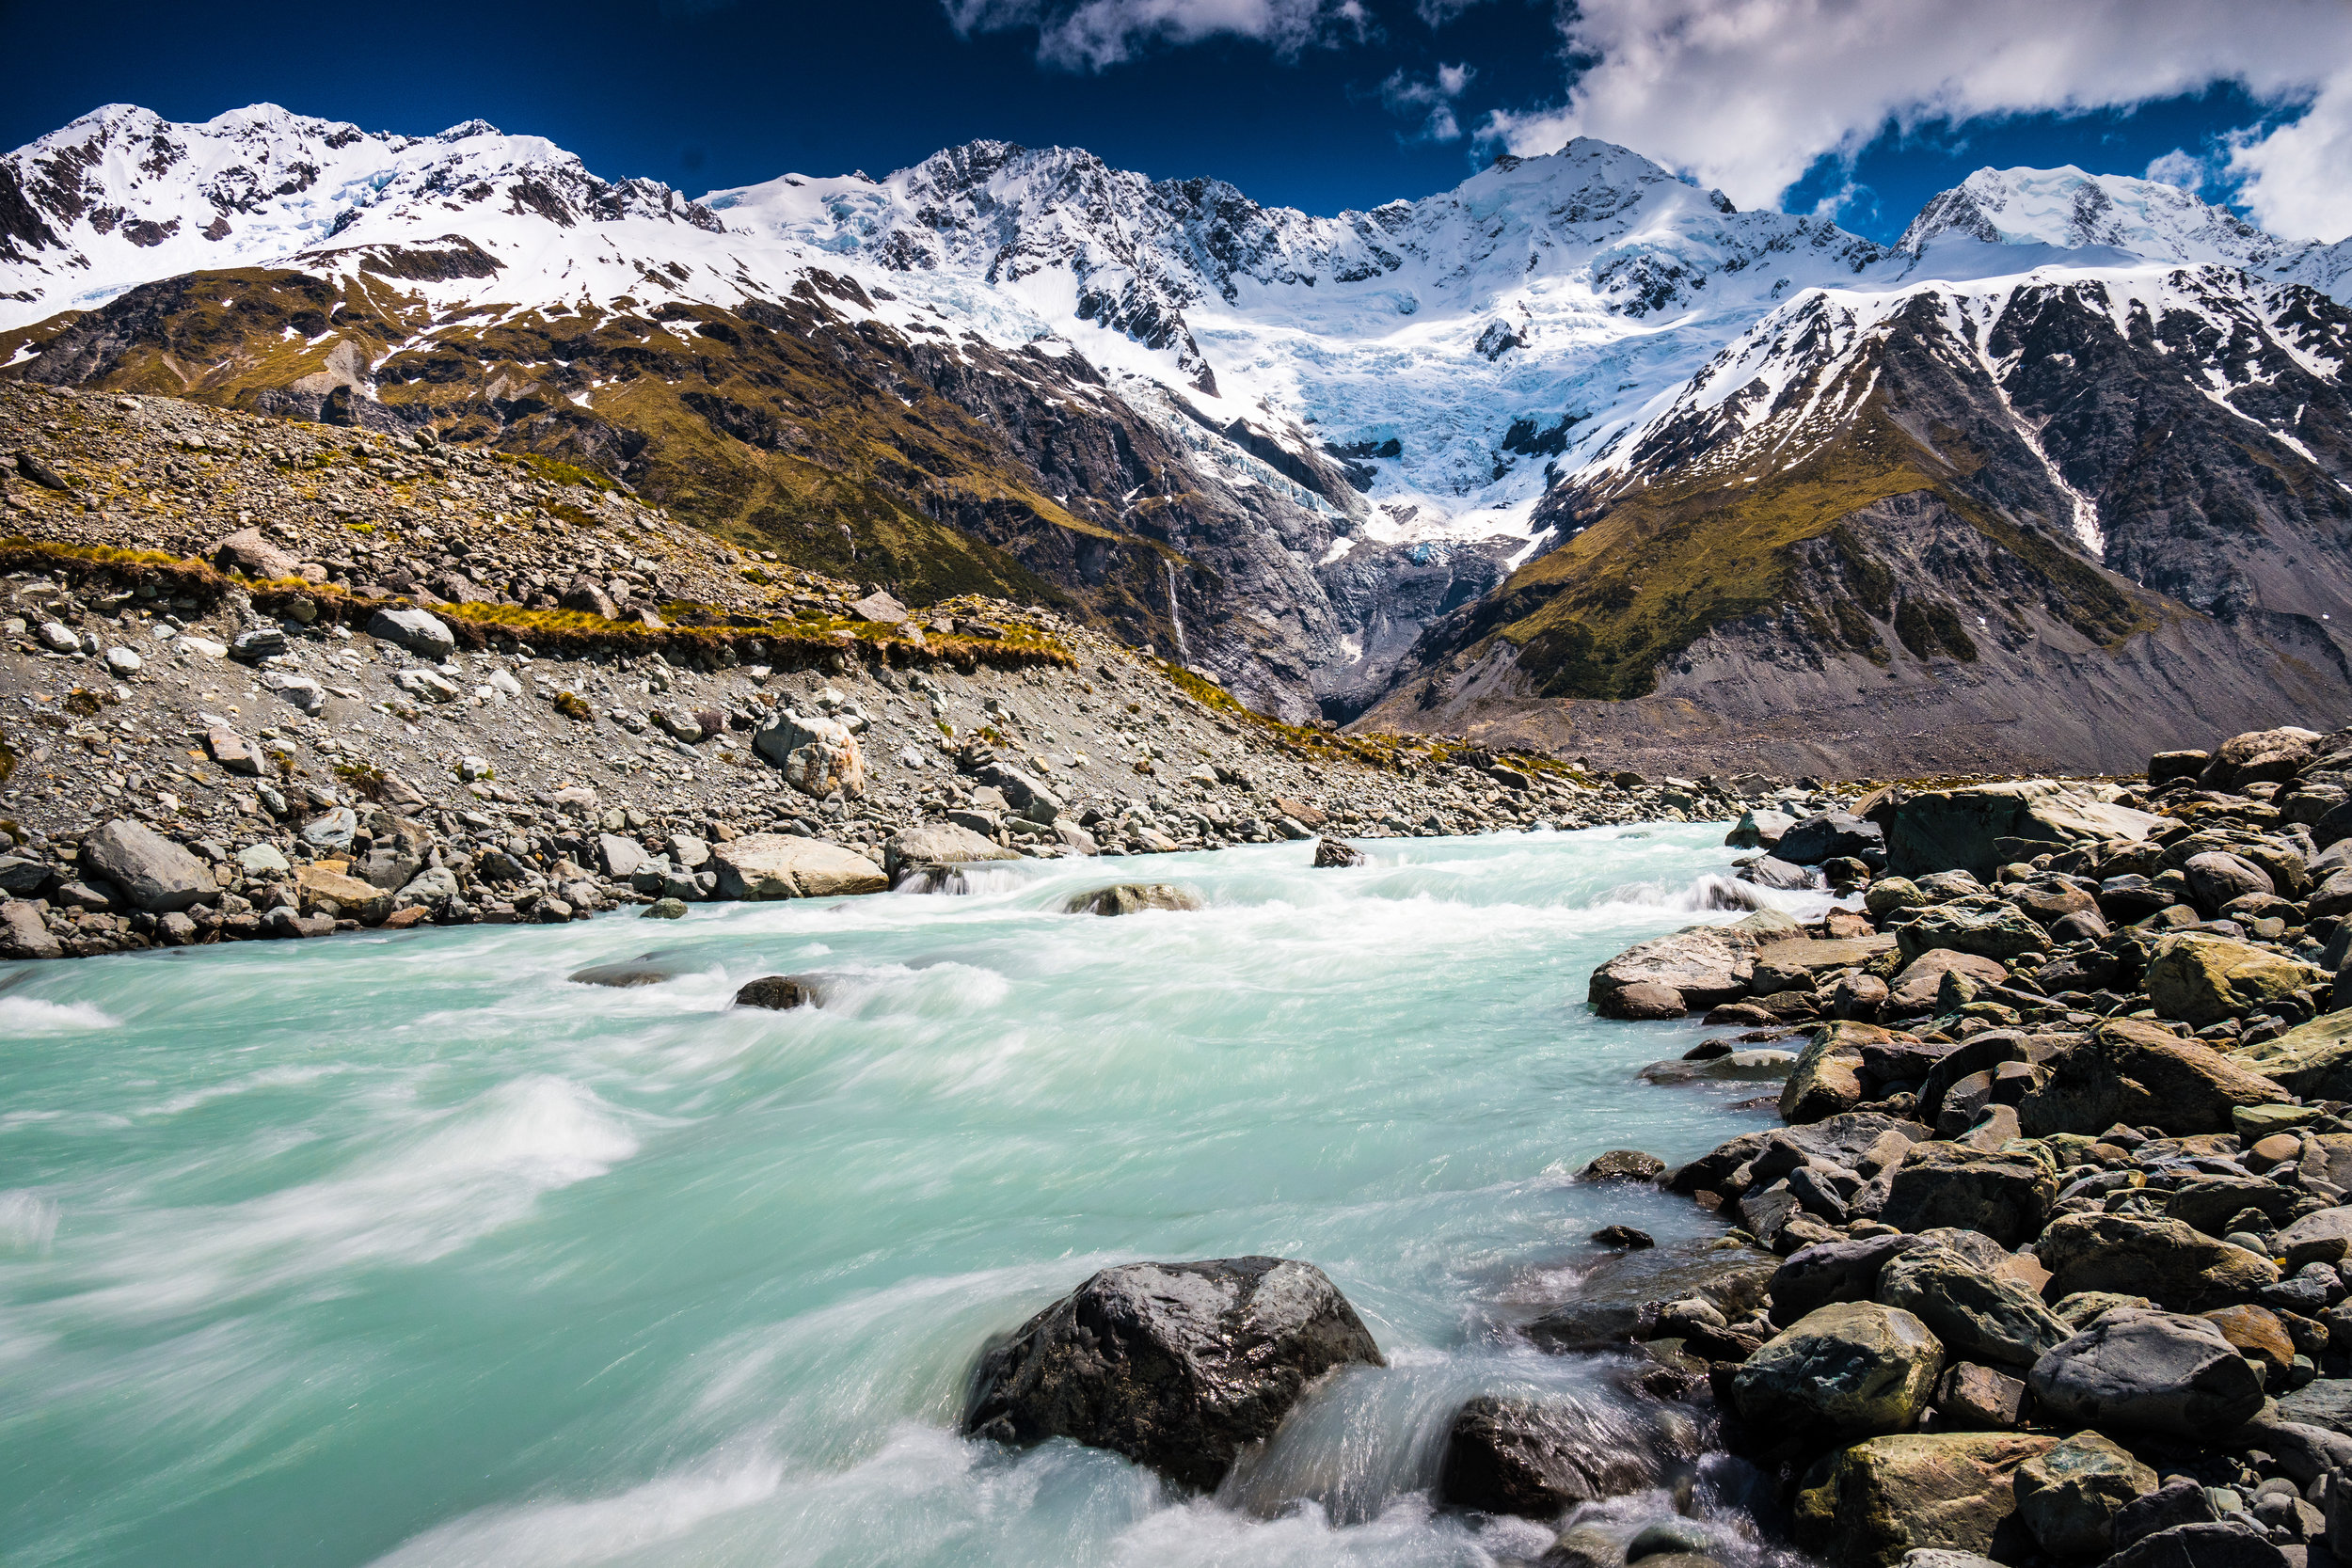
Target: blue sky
1316, 103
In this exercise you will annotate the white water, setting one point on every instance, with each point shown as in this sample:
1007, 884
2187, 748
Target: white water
405, 1249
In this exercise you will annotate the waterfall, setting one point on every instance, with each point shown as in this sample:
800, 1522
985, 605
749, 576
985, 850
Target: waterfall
1183, 650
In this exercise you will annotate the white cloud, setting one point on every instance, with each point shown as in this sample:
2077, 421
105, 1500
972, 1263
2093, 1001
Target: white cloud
1095, 35
1430, 100
1438, 12
2178, 167
1746, 94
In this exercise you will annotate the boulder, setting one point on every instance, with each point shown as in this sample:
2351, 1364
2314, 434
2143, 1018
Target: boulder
1537, 1458
2180, 1502
818, 755
420, 631
1623, 1164
1983, 826
2224, 1543
1177, 1366
2002, 932
1978, 1317
2324, 1236
2312, 1060
2163, 1259
24, 935
1828, 835
1801, 963
1979, 1398
621, 858
432, 890
2200, 979
939, 843
352, 899
1889, 894
2005, 1196
1332, 853
248, 551
1826, 1077
1645, 1000
1827, 1271
2148, 1374
2255, 1332
778, 992
1758, 829
1920, 981
152, 873
1706, 965
1131, 899
1868, 1505
2259, 756
1023, 792
2216, 877
2067, 1498
1851, 1368
880, 608
785, 865
2133, 1073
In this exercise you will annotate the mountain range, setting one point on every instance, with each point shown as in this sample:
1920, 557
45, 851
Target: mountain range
1574, 456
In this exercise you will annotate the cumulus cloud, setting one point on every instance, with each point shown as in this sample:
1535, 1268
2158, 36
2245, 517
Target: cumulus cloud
1095, 35
1747, 94
2178, 167
1429, 100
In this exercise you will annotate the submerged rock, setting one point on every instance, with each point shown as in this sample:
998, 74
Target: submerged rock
778, 992
622, 976
1131, 899
1537, 1457
1178, 1366
1331, 852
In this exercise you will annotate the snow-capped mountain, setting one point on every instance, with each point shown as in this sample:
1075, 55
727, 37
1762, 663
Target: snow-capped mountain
1302, 439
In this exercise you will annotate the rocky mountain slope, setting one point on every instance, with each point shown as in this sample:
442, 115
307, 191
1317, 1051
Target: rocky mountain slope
1282, 446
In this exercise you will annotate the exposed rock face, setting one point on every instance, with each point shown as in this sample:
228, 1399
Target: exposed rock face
2137, 1373
1178, 1366
785, 865
153, 873
1333, 852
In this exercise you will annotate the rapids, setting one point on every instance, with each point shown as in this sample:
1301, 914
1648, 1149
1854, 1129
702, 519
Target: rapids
404, 1249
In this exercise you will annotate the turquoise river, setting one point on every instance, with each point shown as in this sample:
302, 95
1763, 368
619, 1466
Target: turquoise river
402, 1249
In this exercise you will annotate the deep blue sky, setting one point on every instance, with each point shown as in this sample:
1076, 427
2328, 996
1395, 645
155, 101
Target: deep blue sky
753, 89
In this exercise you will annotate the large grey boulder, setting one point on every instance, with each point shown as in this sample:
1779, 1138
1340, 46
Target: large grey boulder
2002, 933
2005, 1196
2223, 1543
1704, 965
622, 858
1178, 1366
939, 843
818, 755
1023, 792
2135, 1373
1978, 1317
1983, 826
2312, 1060
2131, 1071
2216, 877
153, 873
248, 551
1828, 835
23, 934
785, 865
1852, 1368
1758, 829
420, 631
1827, 1271
2165, 1261
1922, 981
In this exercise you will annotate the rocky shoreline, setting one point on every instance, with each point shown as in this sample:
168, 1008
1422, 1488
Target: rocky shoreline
2048, 1265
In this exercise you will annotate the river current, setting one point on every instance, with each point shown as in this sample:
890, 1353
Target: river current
404, 1249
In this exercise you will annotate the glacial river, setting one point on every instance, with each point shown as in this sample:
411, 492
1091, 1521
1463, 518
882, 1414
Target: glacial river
405, 1251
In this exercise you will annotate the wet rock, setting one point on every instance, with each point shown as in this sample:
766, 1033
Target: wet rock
1332, 852
1177, 1366
761, 866
1773, 872
1646, 1002
1536, 1458
1828, 835
1623, 1164
2135, 1374
420, 631
1623, 1236
939, 843
778, 992
2005, 1196
2139, 1075
1978, 1317
2200, 979
1984, 827
153, 873
1852, 1368
1131, 899
1868, 1505
2068, 1498
2163, 1259
623, 976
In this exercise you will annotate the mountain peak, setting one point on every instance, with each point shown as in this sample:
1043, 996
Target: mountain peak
2070, 209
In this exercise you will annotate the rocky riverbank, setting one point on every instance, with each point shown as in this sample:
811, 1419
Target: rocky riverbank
267, 679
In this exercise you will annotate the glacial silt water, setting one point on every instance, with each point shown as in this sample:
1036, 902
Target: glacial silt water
403, 1249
